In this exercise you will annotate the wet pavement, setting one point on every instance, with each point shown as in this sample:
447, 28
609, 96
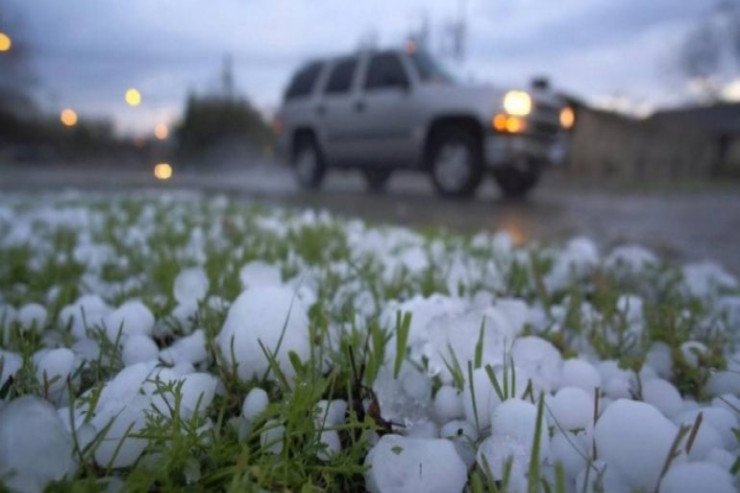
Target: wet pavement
702, 223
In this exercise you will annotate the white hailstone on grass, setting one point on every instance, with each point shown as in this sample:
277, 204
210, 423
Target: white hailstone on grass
260, 274
86, 350
726, 401
692, 351
663, 396
580, 373
139, 348
577, 258
34, 446
517, 419
540, 359
697, 476
448, 404
118, 447
660, 358
272, 437
723, 382
398, 464
217, 303
722, 458
54, 368
189, 349
330, 413
197, 391
634, 438
9, 364
630, 259
571, 450
423, 428
497, 450
703, 279
707, 438
184, 314
463, 435
723, 420
254, 403
602, 478
191, 286
572, 408
132, 317
84, 314
32, 316
329, 439
270, 316
405, 399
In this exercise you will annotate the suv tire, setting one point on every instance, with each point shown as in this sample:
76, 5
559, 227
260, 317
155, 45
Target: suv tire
308, 163
455, 162
376, 179
516, 183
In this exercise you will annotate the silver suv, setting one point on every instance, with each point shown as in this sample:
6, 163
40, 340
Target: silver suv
389, 110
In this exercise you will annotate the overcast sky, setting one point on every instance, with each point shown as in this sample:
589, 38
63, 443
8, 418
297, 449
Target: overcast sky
88, 52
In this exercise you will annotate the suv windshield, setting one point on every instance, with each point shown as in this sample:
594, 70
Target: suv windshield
429, 70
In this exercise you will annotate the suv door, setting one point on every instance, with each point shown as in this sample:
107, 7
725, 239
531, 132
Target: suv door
336, 118
386, 112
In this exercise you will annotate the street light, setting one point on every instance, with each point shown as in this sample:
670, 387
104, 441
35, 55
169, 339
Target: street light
163, 171
68, 118
133, 97
5, 42
161, 131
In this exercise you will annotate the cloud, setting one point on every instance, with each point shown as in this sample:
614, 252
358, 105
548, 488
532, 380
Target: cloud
87, 52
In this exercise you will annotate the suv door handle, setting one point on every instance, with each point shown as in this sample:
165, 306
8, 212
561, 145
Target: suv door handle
360, 106
321, 109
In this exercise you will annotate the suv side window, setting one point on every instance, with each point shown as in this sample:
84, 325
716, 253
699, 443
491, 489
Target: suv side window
340, 79
303, 81
385, 72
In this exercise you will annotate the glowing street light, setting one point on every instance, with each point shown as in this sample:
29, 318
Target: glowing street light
163, 171
5, 42
161, 131
68, 118
133, 97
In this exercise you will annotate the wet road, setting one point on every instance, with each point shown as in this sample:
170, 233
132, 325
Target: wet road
688, 225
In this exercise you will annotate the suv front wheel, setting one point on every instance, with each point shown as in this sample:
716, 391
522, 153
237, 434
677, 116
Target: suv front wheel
456, 164
308, 163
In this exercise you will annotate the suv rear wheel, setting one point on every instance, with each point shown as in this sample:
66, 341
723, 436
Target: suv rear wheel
516, 182
455, 163
376, 179
308, 163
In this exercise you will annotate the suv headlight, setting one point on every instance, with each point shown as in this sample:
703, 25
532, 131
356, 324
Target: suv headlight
518, 103
567, 118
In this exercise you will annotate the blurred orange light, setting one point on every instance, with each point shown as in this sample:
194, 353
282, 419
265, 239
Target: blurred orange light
499, 122
567, 117
133, 97
5, 42
68, 118
410, 47
510, 124
515, 125
161, 131
163, 171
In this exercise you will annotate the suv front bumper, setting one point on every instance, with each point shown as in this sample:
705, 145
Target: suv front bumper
502, 150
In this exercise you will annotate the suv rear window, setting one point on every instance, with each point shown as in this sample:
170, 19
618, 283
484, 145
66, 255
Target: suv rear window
303, 81
340, 79
385, 71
